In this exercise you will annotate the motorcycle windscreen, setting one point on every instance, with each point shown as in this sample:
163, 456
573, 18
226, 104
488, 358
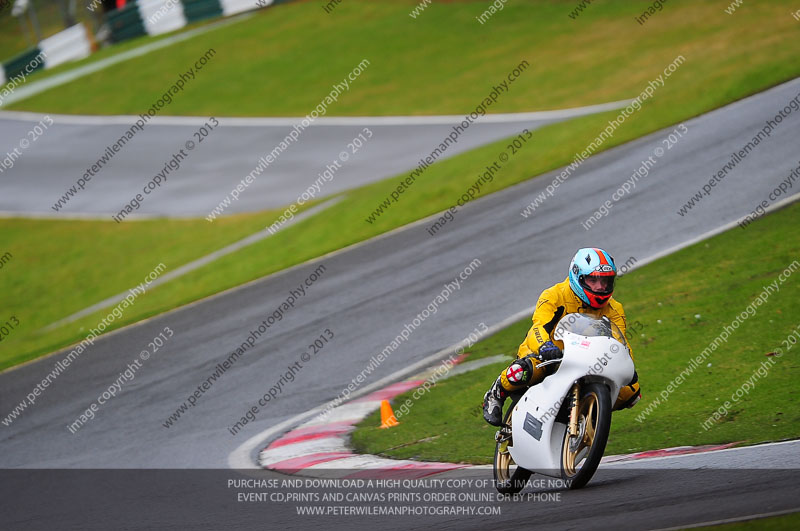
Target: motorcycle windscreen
585, 325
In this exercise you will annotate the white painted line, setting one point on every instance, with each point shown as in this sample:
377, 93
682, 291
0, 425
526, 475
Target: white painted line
347, 412
675, 248
357, 462
353, 412
241, 457
314, 446
196, 264
635, 462
350, 121
461, 368
89, 217
730, 520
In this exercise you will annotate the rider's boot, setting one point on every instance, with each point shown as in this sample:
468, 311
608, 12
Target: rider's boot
493, 404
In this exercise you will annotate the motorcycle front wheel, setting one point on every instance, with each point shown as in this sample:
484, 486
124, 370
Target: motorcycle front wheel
581, 454
509, 478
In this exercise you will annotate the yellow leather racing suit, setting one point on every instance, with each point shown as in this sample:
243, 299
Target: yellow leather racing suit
553, 304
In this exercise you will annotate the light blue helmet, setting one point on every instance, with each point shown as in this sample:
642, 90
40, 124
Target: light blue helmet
598, 264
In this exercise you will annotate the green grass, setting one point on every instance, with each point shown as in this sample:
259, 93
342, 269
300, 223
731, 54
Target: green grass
716, 279
93, 260
284, 59
789, 522
54, 271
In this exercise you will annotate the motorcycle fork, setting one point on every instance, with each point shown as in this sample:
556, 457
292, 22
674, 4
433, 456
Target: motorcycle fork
573, 414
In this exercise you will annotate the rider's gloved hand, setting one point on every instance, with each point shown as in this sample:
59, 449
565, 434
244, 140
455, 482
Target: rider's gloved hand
548, 351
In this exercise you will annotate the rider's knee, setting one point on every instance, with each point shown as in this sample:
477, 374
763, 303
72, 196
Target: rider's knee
518, 375
628, 396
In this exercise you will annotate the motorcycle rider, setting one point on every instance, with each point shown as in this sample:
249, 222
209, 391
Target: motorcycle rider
587, 289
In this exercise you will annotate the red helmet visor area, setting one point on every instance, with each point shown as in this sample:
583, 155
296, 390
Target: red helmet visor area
597, 301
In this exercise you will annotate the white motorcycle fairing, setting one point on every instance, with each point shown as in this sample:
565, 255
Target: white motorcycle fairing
537, 436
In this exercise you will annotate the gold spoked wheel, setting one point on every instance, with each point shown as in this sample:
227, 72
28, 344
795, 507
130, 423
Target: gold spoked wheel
577, 448
508, 477
581, 453
503, 461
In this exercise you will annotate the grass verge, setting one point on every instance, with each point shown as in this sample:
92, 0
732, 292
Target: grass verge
52, 269
788, 522
269, 65
683, 302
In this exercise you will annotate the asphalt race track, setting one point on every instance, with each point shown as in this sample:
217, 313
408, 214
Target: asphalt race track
654, 494
368, 293
229, 153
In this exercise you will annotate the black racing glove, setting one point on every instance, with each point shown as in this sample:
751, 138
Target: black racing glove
548, 351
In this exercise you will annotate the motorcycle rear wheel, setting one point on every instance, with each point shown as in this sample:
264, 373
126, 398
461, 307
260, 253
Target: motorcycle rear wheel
580, 455
509, 478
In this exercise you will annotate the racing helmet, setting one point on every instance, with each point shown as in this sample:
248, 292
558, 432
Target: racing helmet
592, 273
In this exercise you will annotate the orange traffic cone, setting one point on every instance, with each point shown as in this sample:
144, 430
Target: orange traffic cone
387, 415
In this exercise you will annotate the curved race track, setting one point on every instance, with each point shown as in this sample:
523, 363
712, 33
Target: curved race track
73, 144
369, 292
